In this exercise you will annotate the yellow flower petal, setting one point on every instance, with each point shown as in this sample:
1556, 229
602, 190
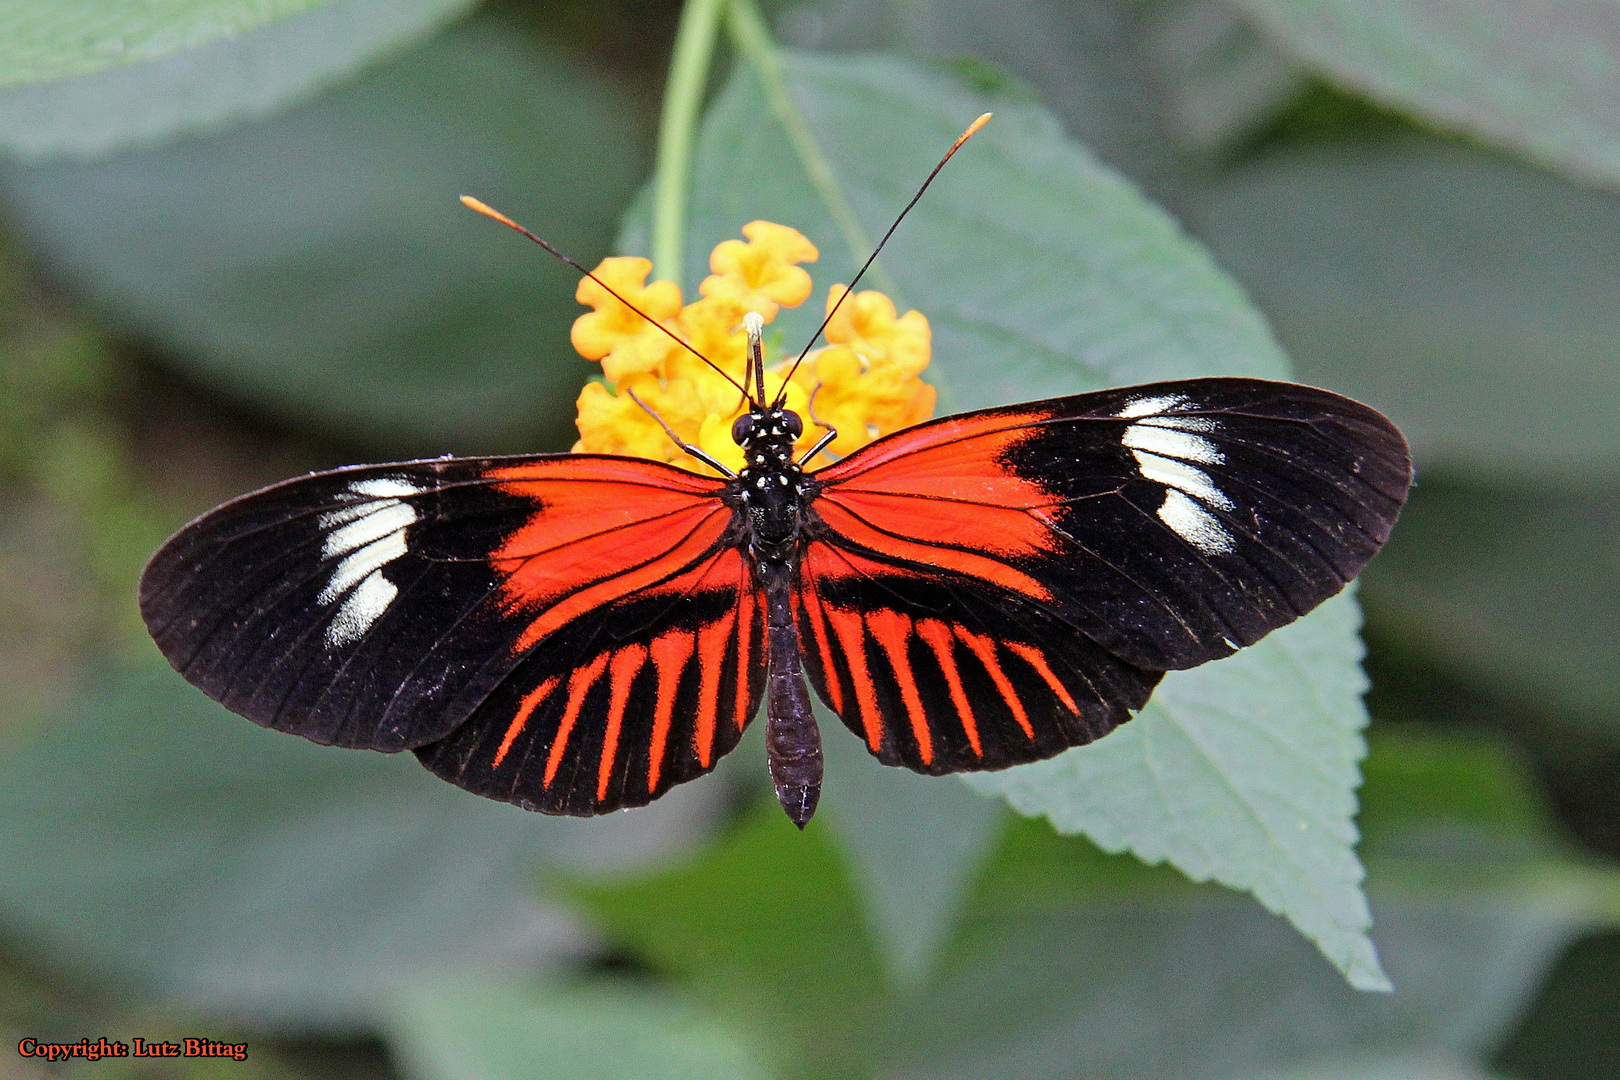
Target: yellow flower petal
713, 327
865, 383
866, 322
596, 334
614, 424
760, 274
714, 439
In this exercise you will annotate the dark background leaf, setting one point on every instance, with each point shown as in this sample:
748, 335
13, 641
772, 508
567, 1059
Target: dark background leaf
158, 842
1542, 77
318, 266
230, 79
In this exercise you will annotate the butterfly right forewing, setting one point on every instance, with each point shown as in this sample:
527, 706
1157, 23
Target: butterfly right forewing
1060, 555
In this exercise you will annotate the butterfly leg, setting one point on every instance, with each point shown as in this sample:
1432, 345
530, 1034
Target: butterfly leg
825, 440
686, 447
792, 741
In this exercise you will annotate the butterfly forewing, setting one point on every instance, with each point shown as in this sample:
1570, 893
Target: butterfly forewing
1053, 559
387, 606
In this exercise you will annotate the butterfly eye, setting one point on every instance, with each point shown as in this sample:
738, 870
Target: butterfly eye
741, 428
794, 425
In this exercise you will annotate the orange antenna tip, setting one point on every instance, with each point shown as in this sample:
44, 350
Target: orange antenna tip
489, 211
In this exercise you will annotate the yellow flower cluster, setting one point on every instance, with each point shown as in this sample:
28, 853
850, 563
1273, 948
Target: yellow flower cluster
865, 381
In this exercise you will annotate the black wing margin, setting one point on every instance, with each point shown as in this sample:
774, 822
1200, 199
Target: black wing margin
350, 607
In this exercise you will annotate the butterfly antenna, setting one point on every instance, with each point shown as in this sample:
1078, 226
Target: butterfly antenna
490, 212
870, 259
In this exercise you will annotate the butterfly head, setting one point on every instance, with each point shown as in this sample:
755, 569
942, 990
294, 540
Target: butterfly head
767, 431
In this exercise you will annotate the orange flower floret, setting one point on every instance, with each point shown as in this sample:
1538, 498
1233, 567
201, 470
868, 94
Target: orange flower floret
760, 274
595, 335
865, 383
866, 322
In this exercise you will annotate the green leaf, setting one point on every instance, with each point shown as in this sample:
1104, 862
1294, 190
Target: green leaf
1541, 78
1071, 962
914, 846
1042, 272
1089, 972
154, 839
1241, 771
1139, 84
1470, 296
763, 927
1517, 588
476, 1030
209, 86
319, 266
50, 39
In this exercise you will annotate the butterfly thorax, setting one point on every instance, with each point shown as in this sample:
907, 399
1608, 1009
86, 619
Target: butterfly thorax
769, 493
770, 488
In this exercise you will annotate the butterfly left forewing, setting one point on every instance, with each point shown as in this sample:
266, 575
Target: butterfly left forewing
353, 607
380, 606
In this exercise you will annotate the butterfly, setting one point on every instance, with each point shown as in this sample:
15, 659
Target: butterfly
577, 633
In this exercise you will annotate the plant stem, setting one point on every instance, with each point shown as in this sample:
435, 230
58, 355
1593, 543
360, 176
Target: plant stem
683, 97
753, 40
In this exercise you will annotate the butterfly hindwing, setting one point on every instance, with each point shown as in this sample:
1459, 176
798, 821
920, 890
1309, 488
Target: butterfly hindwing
941, 674
623, 702
381, 606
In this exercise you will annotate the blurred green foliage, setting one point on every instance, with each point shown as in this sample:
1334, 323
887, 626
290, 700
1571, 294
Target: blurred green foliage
233, 252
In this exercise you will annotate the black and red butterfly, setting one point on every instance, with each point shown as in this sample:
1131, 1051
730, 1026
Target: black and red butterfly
576, 633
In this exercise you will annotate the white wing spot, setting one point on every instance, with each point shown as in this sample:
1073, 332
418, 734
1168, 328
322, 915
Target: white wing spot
1182, 477
1163, 446
1166, 442
369, 533
1149, 405
1194, 524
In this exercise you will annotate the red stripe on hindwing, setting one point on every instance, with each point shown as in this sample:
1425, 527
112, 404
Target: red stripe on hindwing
521, 717
938, 638
1037, 660
622, 671
670, 652
850, 630
816, 615
580, 683
985, 650
711, 652
892, 631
